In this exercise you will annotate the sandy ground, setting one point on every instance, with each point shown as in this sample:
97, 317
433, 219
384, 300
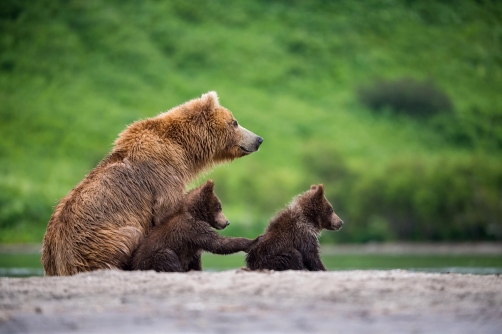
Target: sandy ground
252, 302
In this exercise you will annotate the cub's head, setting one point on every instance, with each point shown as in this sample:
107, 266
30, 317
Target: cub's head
317, 209
203, 204
209, 131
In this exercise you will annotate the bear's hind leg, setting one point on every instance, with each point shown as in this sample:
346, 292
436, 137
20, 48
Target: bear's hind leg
288, 261
166, 260
284, 261
163, 260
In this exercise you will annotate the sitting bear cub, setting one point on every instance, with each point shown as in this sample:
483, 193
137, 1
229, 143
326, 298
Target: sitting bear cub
291, 239
177, 244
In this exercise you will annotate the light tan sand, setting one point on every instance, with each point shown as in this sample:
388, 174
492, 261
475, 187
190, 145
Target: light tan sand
252, 302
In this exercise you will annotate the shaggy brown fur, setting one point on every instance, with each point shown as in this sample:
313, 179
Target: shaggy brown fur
177, 244
101, 221
291, 239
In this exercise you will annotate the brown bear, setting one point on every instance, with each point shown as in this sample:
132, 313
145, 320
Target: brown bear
140, 184
177, 244
290, 241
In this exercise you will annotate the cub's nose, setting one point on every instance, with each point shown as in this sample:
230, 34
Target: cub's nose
228, 223
341, 222
259, 140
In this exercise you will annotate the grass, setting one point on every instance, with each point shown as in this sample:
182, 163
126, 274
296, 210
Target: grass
375, 261
74, 74
435, 263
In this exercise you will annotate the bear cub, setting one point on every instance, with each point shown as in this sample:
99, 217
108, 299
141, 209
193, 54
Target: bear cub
290, 242
177, 244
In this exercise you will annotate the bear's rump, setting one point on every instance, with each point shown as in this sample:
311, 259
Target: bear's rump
102, 249
74, 242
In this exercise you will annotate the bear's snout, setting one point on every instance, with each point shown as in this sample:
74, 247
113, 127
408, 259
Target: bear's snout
248, 142
221, 222
222, 225
336, 222
257, 143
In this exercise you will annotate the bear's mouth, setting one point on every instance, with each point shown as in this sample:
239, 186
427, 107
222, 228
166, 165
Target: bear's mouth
245, 150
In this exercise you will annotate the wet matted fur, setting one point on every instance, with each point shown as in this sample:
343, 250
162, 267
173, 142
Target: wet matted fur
177, 244
290, 241
139, 184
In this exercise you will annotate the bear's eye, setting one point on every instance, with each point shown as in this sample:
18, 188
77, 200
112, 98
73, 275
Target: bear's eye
234, 123
218, 207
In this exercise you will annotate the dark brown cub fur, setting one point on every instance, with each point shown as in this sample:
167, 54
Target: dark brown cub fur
291, 239
177, 244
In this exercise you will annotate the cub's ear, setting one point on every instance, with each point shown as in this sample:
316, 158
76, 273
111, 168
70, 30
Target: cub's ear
319, 191
209, 101
208, 187
312, 187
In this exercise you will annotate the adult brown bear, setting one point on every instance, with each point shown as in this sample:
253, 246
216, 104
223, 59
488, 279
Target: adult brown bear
140, 184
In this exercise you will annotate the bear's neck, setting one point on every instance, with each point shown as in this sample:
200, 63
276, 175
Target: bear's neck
305, 221
169, 153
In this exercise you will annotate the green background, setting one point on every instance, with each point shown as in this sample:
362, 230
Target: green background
28, 264
74, 74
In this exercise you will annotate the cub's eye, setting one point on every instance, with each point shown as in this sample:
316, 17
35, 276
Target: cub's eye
218, 207
234, 123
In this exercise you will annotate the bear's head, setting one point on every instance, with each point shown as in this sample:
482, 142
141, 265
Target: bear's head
203, 204
209, 132
314, 205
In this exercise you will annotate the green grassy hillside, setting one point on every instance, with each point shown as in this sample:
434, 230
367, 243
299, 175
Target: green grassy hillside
73, 74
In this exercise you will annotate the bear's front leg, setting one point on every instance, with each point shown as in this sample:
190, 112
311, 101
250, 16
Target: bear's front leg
312, 259
216, 244
314, 263
196, 263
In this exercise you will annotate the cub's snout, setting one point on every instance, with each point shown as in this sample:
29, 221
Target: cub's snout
221, 221
336, 222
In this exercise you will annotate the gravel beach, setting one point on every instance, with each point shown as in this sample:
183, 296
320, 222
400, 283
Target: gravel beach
239, 301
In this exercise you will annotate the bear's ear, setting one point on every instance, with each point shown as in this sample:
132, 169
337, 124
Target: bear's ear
319, 191
208, 187
209, 101
312, 187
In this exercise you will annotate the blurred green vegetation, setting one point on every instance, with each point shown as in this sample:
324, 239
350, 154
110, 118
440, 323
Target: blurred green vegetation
475, 263
73, 74
428, 262
27, 264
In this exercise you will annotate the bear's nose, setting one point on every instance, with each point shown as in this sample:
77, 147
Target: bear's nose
341, 222
228, 223
259, 140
